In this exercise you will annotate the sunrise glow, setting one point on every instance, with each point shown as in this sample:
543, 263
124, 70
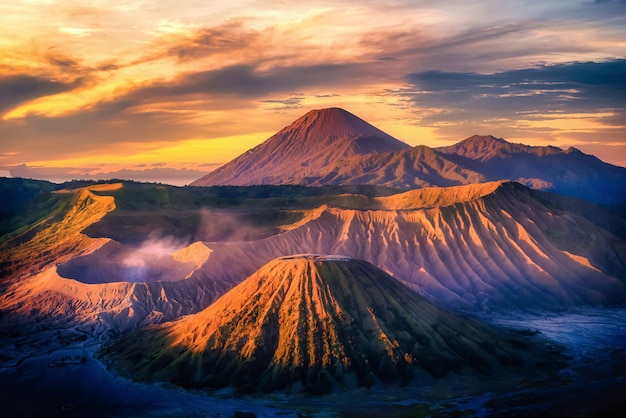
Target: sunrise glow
91, 86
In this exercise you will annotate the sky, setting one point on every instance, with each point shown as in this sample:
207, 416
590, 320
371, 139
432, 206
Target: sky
159, 90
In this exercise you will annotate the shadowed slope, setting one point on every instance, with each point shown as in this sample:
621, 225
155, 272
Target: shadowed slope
569, 172
313, 322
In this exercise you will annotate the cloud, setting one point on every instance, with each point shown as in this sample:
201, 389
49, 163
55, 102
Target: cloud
327, 96
570, 88
194, 105
576, 103
191, 43
75, 31
166, 73
16, 89
63, 62
292, 102
248, 82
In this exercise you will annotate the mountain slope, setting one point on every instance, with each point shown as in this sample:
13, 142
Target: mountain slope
569, 172
497, 246
96, 290
313, 322
304, 149
53, 231
407, 169
487, 247
334, 147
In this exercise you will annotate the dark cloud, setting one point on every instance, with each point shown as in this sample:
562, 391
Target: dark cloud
229, 37
569, 88
245, 81
161, 112
609, 1
16, 89
292, 102
326, 96
62, 61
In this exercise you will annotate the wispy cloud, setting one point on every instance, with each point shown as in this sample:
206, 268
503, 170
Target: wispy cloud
574, 87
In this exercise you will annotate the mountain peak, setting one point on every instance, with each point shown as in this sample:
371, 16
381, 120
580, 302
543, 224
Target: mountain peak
484, 139
482, 147
482, 143
307, 148
331, 123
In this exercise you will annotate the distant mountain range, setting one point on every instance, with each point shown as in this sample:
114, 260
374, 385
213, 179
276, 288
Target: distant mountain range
334, 147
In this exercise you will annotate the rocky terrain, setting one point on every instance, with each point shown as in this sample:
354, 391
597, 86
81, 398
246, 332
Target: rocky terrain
489, 247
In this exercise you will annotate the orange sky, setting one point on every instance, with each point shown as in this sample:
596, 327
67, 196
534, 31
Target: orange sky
155, 87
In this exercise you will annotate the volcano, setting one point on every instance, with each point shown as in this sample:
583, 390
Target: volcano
316, 323
305, 150
334, 147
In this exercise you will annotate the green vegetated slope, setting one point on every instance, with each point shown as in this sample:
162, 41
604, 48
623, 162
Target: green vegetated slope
23, 202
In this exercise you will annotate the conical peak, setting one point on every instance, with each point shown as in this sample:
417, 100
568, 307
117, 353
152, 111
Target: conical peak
332, 122
330, 111
336, 114
306, 267
322, 322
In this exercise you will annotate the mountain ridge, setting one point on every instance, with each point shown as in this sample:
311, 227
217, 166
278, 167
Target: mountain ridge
334, 147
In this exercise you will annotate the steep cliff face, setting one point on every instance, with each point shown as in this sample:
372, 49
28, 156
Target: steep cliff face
316, 323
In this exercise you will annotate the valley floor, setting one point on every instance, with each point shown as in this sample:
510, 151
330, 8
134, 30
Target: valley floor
593, 384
